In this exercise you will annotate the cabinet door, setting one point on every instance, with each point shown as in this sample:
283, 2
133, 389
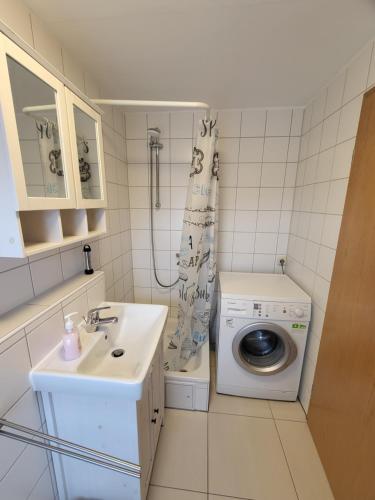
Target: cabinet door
144, 433
157, 408
87, 153
36, 128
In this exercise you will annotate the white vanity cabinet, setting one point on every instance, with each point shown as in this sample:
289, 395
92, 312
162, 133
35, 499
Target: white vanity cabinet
44, 201
124, 428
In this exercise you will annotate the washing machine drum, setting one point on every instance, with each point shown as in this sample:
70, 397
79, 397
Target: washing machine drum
263, 348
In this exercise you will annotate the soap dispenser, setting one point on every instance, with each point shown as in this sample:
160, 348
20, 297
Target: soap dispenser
71, 340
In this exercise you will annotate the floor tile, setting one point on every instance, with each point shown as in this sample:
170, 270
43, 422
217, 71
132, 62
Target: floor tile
246, 459
234, 405
286, 410
181, 458
303, 459
159, 493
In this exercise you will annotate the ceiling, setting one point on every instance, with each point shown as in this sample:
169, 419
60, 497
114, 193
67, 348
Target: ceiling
230, 53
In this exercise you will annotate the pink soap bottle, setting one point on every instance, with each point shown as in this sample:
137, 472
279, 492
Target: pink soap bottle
71, 340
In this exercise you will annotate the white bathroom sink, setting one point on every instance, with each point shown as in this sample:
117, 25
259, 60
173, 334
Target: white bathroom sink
97, 371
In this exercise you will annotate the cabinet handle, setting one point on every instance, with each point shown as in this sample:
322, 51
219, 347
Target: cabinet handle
156, 410
153, 420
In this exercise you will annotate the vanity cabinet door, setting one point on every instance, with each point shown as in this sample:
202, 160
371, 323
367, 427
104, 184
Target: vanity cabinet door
35, 128
87, 153
157, 408
146, 452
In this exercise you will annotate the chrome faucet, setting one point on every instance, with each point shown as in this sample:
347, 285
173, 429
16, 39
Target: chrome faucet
93, 320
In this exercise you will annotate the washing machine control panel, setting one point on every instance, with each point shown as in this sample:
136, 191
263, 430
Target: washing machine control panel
281, 311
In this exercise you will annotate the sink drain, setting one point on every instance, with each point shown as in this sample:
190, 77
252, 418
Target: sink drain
117, 353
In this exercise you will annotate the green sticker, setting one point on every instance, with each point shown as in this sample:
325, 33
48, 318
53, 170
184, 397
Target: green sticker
298, 326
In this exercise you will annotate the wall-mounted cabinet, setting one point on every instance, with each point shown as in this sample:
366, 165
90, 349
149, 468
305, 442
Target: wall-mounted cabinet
52, 189
87, 152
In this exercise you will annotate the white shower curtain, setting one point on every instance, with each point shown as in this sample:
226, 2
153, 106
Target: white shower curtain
197, 267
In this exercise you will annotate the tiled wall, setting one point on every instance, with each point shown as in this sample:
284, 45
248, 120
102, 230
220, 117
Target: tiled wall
329, 131
258, 157
20, 279
26, 472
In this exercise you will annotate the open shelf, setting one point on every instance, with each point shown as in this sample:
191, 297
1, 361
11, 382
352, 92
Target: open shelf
74, 225
41, 230
96, 221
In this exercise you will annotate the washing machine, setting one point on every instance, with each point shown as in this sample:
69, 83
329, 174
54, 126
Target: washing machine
262, 326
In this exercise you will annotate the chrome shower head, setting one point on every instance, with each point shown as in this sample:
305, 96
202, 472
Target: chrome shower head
153, 131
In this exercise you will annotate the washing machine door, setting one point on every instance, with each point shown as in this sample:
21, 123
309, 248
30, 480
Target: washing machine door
263, 348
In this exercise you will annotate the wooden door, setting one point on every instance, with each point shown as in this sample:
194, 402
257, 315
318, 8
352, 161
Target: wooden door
342, 410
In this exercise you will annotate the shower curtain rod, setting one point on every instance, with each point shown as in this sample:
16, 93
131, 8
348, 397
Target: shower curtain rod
133, 103
155, 104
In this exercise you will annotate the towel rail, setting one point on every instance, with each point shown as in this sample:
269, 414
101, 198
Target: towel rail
83, 453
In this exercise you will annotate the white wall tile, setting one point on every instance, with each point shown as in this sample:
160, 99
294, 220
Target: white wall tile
247, 198
249, 174
342, 159
357, 73
294, 149
325, 262
160, 120
275, 149
253, 123
29, 466
45, 337
72, 262
24, 412
243, 242
225, 241
336, 196
278, 122
228, 174
43, 489
273, 174
349, 120
15, 288
242, 262
297, 118
229, 123
324, 166
182, 125
331, 229
318, 108
335, 94
46, 273
265, 243
263, 263
227, 197
330, 129
136, 125
270, 198
251, 150
136, 150
245, 221
181, 150
268, 221
14, 374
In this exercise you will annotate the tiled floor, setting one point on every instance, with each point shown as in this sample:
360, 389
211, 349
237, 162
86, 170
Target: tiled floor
241, 449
